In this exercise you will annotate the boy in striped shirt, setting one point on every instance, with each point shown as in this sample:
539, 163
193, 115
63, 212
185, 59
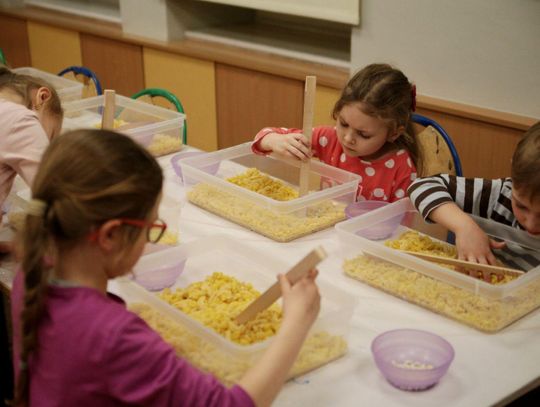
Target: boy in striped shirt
515, 201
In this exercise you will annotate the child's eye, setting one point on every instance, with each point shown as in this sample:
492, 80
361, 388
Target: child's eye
364, 136
343, 124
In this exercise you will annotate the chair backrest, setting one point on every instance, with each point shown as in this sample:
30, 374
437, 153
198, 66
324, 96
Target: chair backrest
148, 95
2, 57
92, 86
438, 150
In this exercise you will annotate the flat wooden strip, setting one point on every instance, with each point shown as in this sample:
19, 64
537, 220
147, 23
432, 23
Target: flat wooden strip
307, 128
501, 271
107, 119
270, 296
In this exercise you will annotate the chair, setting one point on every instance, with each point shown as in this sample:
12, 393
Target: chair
92, 86
148, 96
439, 153
2, 57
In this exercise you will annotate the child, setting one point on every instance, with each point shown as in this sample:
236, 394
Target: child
373, 136
88, 222
515, 201
30, 116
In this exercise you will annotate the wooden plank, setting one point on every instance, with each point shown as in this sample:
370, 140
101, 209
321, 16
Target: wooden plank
307, 128
271, 295
107, 119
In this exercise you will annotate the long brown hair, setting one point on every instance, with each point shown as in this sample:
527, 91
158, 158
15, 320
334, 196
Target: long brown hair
23, 85
86, 177
387, 94
526, 163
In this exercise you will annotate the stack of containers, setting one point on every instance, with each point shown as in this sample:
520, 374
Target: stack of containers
472, 301
331, 190
205, 348
68, 90
156, 128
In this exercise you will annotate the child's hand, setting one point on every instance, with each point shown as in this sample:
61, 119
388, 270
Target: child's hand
475, 246
301, 302
294, 145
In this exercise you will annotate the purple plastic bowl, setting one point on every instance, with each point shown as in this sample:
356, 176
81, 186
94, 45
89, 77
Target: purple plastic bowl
361, 207
211, 169
159, 278
394, 351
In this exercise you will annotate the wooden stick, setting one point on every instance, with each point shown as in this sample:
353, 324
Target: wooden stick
107, 119
500, 271
307, 126
274, 292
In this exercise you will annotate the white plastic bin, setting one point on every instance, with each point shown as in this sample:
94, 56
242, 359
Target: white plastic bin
68, 90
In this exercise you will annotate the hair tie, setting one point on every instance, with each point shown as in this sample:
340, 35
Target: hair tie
36, 207
413, 97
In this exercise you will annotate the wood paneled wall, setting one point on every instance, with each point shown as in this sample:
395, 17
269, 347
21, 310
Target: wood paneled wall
248, 100
117, 64
14, 41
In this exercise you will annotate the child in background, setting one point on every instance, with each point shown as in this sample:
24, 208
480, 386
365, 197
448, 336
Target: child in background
30, 116
373, 136
515, 201
77, 345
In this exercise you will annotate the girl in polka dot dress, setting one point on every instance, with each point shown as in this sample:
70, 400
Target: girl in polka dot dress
373, 135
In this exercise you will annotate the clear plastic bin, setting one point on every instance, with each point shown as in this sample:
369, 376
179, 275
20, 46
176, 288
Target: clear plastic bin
472, 301
331, 190
156, 128
207, 349
68, 90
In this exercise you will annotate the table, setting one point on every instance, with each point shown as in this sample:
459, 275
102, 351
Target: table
488, 369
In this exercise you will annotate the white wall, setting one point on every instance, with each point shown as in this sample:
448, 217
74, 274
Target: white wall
480, 52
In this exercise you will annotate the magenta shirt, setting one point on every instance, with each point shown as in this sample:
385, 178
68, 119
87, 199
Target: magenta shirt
94, 352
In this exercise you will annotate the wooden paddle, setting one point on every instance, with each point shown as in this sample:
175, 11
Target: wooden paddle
499, 271
274, 292
307, 126
107, 119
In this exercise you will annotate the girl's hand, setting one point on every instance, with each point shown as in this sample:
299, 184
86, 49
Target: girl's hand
294, 145
301, 302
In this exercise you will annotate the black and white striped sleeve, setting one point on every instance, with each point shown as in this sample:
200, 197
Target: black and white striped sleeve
476, 196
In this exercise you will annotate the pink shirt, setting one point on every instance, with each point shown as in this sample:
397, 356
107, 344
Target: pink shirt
22, 142
384, 179
94, 352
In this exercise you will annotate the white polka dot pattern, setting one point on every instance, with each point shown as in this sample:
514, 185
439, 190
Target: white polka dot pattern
343, 157
390, 163
409, 162
370, 171
323, 141
399, 193
378, 192
413, 176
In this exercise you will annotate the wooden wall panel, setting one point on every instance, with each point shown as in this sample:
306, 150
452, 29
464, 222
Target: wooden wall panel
14, 41
53, 49
248, 100
485, 149
193, 82
118, 65
325, 99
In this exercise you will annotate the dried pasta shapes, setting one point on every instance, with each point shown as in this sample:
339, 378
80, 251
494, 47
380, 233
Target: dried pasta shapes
256, 181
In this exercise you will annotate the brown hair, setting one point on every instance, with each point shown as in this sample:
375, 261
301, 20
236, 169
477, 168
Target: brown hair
85, 178
23, 85
526, 163
386, 93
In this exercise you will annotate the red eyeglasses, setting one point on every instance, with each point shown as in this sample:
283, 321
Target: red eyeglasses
154, 231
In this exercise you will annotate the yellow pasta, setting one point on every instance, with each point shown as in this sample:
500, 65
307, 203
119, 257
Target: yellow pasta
256, 181
163, 144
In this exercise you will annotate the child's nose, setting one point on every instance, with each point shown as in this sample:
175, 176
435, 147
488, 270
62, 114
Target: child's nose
532, 224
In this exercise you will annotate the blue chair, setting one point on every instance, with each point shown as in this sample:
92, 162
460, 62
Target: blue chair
87, 76
170, 97
437, 158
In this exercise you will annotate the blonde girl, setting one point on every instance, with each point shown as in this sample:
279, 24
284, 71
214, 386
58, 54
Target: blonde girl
94, 207
373, 135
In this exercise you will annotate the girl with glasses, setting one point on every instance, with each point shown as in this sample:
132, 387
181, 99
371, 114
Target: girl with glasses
94, 207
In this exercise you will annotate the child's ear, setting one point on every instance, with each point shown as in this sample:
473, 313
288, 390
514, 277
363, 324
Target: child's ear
43, 94
397, 132
109, 235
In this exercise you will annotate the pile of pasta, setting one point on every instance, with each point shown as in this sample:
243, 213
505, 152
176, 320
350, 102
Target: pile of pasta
282, 227
215, 302
469, 307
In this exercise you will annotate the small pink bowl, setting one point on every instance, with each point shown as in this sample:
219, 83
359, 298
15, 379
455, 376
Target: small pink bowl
211, 169
157, 279
412, 359
360, 207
